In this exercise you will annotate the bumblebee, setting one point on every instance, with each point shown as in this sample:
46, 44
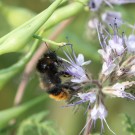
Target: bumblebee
48, 68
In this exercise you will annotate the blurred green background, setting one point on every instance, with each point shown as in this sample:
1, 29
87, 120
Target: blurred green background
14, 13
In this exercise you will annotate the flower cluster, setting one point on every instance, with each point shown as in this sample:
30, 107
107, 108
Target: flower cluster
96, 4
116, 77
117, 53
106, 16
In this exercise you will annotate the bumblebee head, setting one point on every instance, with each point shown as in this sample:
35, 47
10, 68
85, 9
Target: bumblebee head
41, 65
51, 57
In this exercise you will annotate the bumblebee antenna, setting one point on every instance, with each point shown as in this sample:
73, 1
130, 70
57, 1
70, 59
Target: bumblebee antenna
47, 45
48, 48
68, 41
64, 44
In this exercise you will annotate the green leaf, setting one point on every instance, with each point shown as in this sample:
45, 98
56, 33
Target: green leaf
130, 125
8, 73
18, 38
9, 114
36, 125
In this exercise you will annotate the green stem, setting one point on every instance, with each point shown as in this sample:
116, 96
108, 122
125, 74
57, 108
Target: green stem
9, 114
49, 41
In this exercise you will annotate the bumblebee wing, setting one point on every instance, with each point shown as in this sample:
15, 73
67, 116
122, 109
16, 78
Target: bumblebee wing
45, 83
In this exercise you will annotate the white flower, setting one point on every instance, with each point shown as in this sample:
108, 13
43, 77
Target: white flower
131, 43
100, 112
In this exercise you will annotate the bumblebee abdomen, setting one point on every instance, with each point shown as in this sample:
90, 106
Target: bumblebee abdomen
63, 95
58, 93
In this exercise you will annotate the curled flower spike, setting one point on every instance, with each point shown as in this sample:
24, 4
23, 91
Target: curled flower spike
108, 51
116, 49
74, 67
118, 90
116, 42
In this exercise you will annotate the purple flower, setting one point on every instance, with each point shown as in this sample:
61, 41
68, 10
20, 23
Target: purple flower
118, 90
108, 65
75, 67
112, 48
116, 43
96, 4
109, 17
85, 97
119, 2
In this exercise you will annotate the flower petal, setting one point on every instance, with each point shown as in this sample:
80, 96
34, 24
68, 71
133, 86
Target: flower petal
80, 59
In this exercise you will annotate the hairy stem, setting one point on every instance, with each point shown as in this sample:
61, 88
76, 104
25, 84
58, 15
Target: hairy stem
87, 130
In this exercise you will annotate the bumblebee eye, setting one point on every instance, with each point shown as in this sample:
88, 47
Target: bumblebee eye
41, 66
53, 56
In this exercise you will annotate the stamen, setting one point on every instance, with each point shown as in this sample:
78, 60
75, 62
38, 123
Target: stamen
108, 126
